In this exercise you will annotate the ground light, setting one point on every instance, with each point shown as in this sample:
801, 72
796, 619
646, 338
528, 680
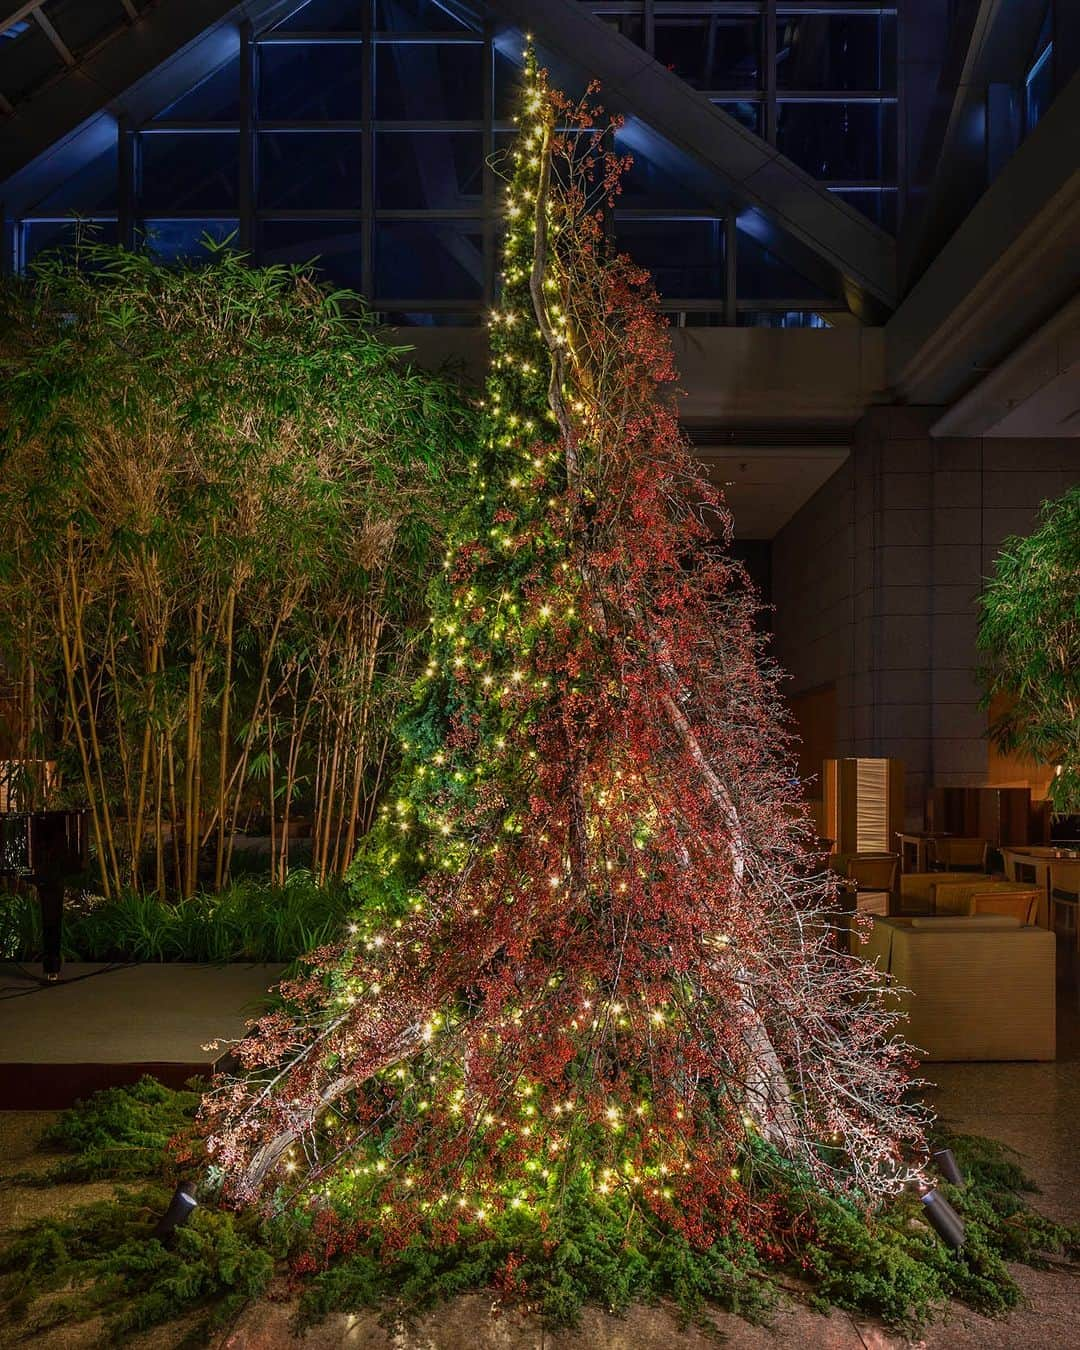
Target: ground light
181, 1207
947, 1165
944, 1219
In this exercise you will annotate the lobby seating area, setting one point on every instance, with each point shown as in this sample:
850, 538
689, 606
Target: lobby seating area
980, 939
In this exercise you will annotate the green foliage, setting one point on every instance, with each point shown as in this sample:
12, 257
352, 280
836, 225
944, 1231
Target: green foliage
1029, 629
223, 494
120, 1133
250, 920
593, 1250
596, 1251
893, 1266
103, 1262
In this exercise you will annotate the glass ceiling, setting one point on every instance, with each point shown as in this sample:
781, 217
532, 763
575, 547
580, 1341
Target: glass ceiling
368, 133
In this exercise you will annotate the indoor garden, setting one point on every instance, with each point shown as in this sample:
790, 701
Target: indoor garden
459, 705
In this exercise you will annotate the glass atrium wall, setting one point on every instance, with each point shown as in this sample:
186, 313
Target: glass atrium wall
368, 133
817, 80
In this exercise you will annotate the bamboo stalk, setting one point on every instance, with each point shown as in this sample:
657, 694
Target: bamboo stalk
249, 736
191, 828
270, 788
174, 812
159, 842
223, 738
109, 661
69, 677
95, 746
144, 765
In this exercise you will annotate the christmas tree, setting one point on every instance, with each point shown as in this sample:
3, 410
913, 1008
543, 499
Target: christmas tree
594, 948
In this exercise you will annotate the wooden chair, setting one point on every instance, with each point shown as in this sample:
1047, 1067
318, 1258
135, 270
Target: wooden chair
1030, 869
1065, 899
918, 889
960, 855
873, 871
988, 897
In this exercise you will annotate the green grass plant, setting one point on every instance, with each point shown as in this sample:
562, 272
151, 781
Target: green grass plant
250, 920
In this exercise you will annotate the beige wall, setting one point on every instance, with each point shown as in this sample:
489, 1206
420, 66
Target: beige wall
875, 582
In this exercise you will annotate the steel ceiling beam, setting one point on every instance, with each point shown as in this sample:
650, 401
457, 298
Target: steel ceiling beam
60, 46
97, 83
17, 15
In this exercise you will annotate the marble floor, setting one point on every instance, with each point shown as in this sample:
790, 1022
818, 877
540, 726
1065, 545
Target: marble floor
1034, 1108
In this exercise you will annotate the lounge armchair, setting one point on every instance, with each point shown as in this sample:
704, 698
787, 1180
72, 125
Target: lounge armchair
965, 898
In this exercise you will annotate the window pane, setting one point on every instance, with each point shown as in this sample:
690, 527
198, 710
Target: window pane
429, 81
711, 53
415, 16
188, 171
426, 319
761, 275
90, 191
440, 170
174, 240
44, 236
429, 260
686, 257
310, 170
507, 87
310, 81
1039, 88
646, 184
631, 26
836, 51
744, 111
214, 99
839, 140
27, 59
325, 16
780, 318
332, 246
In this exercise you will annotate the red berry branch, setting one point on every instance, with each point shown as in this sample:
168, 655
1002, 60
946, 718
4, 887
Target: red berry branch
593, 943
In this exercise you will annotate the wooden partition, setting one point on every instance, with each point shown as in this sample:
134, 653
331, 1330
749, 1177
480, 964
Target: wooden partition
1001, 815
864, 804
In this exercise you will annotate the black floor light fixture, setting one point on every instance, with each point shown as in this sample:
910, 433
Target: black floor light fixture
948, 1166
181, 1207
944, 1219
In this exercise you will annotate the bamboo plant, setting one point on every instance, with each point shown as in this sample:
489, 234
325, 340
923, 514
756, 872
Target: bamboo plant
222, 492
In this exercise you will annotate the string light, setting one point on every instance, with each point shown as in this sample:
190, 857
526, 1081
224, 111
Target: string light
511, 625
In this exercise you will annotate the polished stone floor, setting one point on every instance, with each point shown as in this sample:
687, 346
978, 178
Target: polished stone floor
103, 1025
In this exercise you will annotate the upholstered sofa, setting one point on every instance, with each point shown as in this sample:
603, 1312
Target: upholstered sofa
972, 988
